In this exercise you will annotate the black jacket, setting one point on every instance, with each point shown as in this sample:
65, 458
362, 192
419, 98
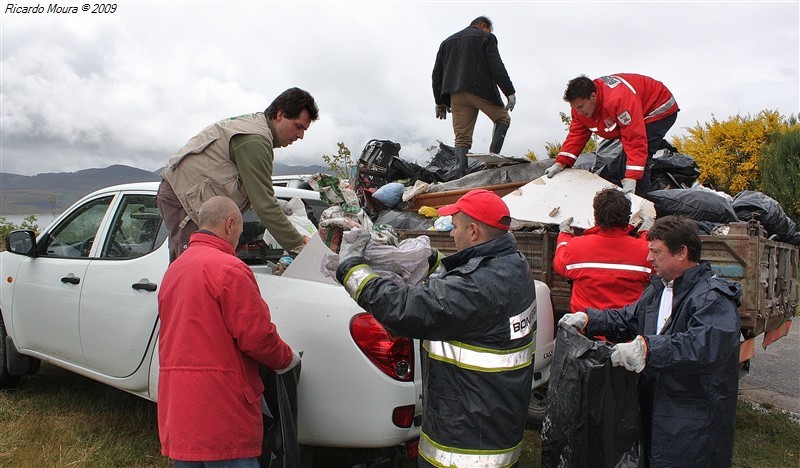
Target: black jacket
484, 306
688, 389
469, 61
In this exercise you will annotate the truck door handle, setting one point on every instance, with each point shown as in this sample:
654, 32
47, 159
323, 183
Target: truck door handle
151, 287
71, 279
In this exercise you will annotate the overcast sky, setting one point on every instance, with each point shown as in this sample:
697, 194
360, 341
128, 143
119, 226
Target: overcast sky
90, 90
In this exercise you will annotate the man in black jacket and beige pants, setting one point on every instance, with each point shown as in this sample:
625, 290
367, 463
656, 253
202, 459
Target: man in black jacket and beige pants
466, 75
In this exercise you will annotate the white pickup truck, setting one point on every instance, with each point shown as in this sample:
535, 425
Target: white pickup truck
82, 296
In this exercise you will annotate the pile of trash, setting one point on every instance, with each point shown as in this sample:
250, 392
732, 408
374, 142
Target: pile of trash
385, 186
346, 229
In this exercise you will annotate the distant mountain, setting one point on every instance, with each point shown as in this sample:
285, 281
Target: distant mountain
56, 191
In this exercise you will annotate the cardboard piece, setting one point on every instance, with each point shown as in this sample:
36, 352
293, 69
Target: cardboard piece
569, 193
307, 263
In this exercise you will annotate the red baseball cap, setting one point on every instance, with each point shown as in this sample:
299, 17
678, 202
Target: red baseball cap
482, 205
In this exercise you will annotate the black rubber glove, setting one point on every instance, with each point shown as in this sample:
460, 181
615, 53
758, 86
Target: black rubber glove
346, 265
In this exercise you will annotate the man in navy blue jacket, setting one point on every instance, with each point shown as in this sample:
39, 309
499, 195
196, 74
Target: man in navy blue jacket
683, 336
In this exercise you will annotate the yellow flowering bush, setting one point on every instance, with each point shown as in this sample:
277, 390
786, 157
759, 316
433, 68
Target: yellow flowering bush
729, 152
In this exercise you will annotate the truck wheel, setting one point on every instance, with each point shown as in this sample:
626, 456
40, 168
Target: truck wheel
536, 407
6, 380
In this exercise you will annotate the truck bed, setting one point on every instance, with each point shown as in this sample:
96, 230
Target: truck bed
766, 269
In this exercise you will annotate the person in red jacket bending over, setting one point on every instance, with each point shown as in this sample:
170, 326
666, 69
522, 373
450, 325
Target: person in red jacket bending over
215, 330
608, 267
635, 109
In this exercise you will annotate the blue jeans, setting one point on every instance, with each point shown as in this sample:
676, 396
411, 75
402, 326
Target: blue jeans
234, 463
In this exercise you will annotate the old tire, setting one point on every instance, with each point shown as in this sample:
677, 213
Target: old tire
536, 407
6, 380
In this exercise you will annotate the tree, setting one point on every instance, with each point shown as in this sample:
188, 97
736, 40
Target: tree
340, 164
53, 199
780, 171
553, 148
7, 226
728, 153
432, 151
30, 223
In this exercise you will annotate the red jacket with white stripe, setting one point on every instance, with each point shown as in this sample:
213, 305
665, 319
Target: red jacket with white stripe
608, 267
625, 103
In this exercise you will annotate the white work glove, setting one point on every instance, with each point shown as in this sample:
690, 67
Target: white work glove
577, 320
647, 223
628, 185
632, 355
554, 169
441, 111
354, 242
565, 226
512, 101
292, 365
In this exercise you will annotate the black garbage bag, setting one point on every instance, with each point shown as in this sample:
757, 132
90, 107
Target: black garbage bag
749, 205
402, 169
669, 169
404, 220
706, 227
592, 416
697, 204
604, 162
443, 165
280, 448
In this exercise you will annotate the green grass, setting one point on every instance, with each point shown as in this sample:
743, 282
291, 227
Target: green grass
764, 438
56, 418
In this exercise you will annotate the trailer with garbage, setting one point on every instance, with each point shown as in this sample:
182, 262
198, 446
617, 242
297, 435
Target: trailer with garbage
766, 269
747, 238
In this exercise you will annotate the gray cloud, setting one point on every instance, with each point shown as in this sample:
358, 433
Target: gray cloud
130, 88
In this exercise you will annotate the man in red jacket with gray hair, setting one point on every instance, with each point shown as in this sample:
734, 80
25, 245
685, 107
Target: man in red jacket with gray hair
635, 109
215, 330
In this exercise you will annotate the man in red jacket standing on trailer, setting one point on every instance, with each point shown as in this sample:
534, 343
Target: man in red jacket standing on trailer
635, 109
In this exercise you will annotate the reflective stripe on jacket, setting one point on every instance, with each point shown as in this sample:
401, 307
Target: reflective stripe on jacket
196, 179
440, 455
625, 103
478, 324
608, 267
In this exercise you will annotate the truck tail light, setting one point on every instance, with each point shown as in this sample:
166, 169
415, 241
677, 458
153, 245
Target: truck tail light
394, 356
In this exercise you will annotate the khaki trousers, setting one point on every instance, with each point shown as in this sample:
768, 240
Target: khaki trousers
173, 214
464, 107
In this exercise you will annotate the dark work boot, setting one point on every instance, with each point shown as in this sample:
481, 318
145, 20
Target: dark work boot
498, 137
461, 162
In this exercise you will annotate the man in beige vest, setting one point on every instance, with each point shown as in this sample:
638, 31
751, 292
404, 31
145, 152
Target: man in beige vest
233, 157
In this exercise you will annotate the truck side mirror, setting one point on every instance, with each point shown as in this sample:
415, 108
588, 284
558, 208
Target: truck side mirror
21, 243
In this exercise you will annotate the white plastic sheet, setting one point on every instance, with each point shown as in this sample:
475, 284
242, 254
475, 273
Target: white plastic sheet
568, 194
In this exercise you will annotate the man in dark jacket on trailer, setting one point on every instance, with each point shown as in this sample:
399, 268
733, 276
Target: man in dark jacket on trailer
683, 336
477, 323
466, 75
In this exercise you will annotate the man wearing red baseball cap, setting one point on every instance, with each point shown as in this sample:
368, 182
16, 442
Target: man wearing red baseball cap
476, 322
